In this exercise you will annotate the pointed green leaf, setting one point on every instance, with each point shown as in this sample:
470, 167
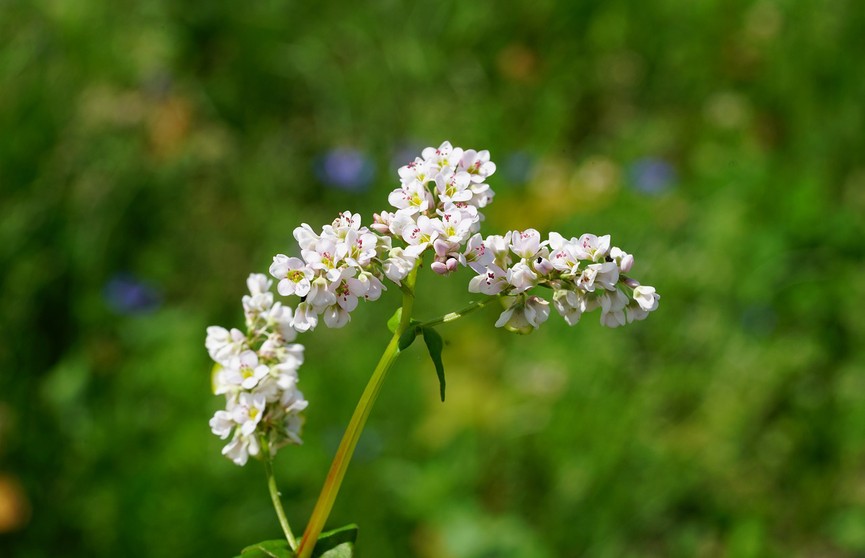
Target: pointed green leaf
268, 549
338, 543
407, 338
434, 345
393, 322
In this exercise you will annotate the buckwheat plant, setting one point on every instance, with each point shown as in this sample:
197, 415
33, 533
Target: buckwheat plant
436, 218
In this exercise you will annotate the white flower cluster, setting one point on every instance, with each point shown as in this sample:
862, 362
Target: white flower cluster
437, 209
257, 373
583, 273
438, 203
338, 267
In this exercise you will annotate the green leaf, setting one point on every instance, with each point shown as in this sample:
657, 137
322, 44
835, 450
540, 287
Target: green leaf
434, 345
393, 322
338, 543
407, 338
268, 549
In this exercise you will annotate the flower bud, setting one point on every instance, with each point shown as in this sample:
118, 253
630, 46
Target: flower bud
543, 266
626, 263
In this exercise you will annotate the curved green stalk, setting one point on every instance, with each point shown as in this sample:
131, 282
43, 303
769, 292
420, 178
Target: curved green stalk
274, 494
352, 433
451, 316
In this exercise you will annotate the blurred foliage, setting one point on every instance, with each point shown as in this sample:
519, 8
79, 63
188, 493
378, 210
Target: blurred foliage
155, 153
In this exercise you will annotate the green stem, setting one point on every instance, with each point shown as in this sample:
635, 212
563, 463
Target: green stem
451, 316
274, 494
352, 433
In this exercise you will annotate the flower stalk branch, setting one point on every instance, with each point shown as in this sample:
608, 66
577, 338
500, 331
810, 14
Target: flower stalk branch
274, 494
338, 467
451, 316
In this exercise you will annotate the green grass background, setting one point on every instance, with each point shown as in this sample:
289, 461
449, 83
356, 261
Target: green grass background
176, 141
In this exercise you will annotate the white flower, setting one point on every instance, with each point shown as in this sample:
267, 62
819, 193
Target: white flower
476, 255
305, 236
240, 448
344, 223
613, 305
521, 277
336, 316
411, 198
594, 248
320, 295
445, 156
418, 171
400, 222
607, 274
453, 187
248, 412
222, 344
477, 164
468, 211
398, 265
293, 404
258, 284
279, 320
259, 300
245, 370
499, 247
346, 297
375, 286
646, 297
290, 356
564, 255
305, 317
365, 285
524, 314
569, 304
587, 279
525, 244
361, 247
421, 235
293, 274
453, 227
325, 254
492, 281
482, 195
633, 312
222, 423
292, 401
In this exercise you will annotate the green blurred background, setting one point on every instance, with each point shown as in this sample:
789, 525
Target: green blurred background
154, 153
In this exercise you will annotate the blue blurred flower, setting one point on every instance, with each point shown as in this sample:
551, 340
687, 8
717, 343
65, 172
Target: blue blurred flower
517, 167
652, 176
346, 169
125, 294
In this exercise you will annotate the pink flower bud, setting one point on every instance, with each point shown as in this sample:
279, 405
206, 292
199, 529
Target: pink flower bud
379, 224
626, 263
442, 247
